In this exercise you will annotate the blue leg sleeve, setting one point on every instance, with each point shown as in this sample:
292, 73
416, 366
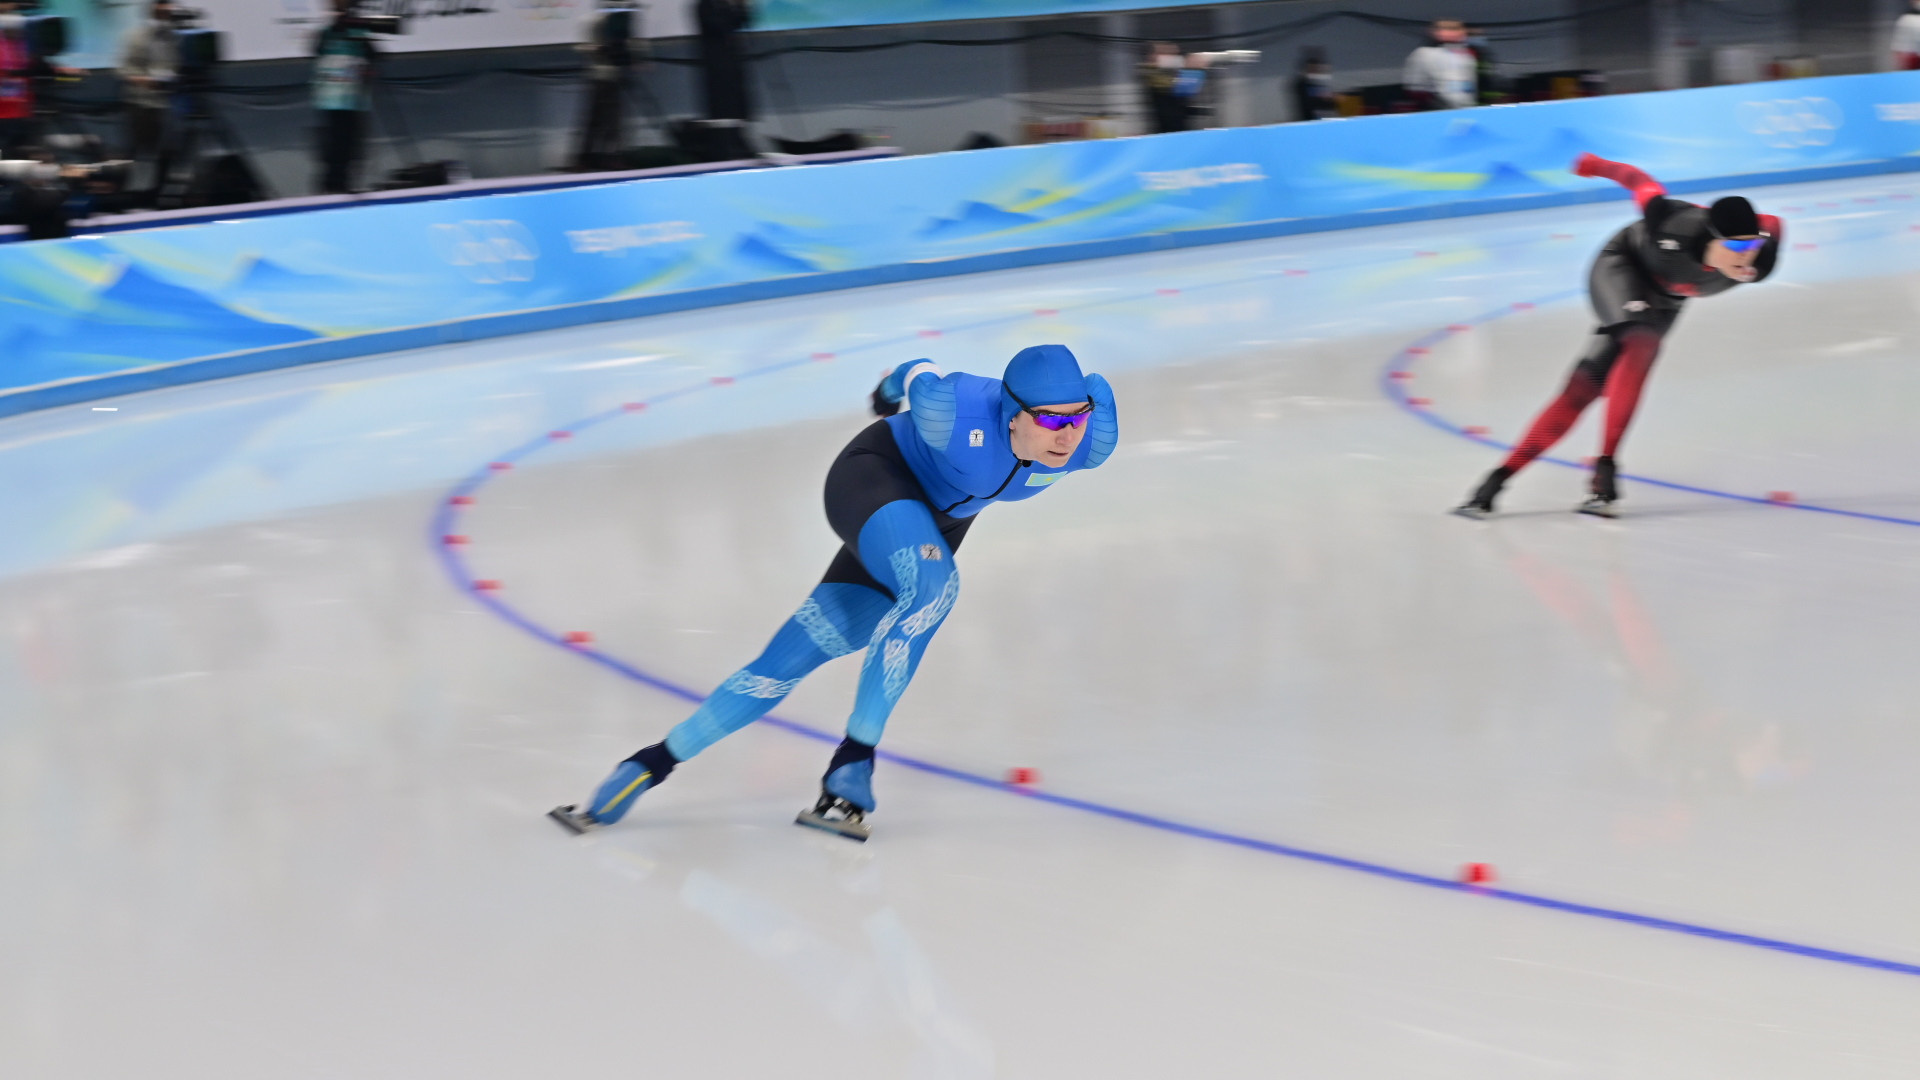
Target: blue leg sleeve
900, 545
836, 619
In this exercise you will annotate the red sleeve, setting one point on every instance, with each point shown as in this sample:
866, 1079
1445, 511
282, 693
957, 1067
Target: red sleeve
1773, 227
1645, 188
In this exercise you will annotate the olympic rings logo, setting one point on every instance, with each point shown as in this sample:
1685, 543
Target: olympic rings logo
489, 252
1793, 122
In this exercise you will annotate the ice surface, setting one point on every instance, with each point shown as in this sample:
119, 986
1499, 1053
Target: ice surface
272, 788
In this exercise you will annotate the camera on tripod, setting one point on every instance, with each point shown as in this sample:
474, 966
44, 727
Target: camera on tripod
355, 19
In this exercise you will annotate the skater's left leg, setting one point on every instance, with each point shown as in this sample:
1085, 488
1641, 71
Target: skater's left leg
902, 546
1639, 347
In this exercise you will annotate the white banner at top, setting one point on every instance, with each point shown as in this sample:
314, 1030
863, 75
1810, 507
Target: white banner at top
276, 29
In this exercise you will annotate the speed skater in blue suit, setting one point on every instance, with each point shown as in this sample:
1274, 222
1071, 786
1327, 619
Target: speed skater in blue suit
901, 497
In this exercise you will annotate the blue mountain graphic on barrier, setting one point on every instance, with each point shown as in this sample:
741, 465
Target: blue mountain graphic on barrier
1505, 179
138, 320
974, 219
755, 253
263, 276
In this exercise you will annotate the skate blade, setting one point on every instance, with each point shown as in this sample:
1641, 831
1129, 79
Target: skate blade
852, 830
1596, 508
571, 820
1471, 513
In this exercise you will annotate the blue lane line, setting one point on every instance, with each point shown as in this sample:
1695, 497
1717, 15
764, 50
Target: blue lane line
455, 564
1407, 357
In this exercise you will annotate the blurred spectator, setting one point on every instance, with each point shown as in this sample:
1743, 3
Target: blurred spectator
1906, 40
149, 63
343, 59
18, 68
723, 64
608, 44
1443, 74
1172, 81
1313, 86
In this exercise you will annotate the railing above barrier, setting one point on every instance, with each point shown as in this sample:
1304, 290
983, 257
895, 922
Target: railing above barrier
88, 318
510, 185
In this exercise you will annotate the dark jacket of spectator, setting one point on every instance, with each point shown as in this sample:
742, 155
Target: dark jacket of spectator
723, 61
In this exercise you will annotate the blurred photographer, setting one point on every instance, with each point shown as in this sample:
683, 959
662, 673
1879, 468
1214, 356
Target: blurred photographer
1445, 72
1172, 81
723, 62
343, 73
607, 39
41, 193
149, 77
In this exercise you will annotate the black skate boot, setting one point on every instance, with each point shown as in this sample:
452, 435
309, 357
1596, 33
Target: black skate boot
846, 793
1479, 505
1605, 488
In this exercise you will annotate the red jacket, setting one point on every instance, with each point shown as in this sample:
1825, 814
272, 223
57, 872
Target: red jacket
16, 89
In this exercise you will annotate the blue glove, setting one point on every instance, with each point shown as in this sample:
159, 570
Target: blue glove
893, 389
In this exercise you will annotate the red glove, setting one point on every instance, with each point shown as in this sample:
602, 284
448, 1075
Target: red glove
1645, 188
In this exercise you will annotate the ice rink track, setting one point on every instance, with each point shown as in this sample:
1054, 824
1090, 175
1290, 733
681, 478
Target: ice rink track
273, 777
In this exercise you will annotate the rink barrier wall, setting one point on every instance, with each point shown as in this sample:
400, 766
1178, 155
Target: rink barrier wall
99, 317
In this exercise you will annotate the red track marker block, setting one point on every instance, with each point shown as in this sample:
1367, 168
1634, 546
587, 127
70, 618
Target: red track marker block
929, 333
487, 585
1425, 254
461, 500
1522, 305
1459, 328
1168, 292
1806, 247
501, 466
579, 637
635, 406
1046, 311
1023, 776
559, 434
822, 357
1477, 873
1563, 236
1419, 402
454, 541
1418, 350
1399, 376
1298, 273
1780, 496
1477, 430
721, 380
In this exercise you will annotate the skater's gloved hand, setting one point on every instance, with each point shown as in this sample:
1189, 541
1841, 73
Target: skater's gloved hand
893, 389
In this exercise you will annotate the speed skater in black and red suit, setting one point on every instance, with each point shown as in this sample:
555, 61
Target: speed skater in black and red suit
1638, 285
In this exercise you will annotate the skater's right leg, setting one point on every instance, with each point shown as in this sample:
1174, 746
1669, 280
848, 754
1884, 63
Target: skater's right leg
1589, 378
1583, 386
